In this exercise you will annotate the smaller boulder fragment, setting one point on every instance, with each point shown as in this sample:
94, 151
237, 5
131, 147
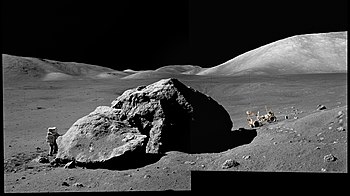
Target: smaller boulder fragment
329, 158
229, 163
340, 114
340, 121
321, 107
190, 162
65, 183
43, 160
340, 129
78, 184
246, 157
70, 165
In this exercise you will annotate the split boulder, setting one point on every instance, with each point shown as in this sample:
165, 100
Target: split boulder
164, 116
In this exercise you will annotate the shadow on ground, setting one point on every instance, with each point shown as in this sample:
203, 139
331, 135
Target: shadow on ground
125, 162
219, 143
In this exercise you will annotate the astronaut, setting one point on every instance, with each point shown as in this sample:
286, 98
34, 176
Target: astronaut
51, 137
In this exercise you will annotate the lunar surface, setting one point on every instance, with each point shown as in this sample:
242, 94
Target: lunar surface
302, 79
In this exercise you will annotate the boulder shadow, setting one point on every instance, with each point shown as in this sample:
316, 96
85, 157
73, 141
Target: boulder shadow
220, 143
125, 162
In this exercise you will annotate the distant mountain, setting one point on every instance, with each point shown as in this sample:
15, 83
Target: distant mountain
180, 69
164, 72
28, 68
309, 53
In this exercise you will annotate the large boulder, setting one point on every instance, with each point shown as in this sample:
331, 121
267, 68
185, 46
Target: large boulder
175, 117
163, 116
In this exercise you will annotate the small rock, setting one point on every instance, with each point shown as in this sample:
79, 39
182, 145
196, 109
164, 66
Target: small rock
70, 165
71, 178
321, 107
317, 148
229, 163
23, 177
286, 117
202, 166
246, 157
329, 128
10, 146
65, 183
140, 87
190, 162
78, 184
274, 143
295, 117
340, 121
321, 138
340, 129
57, 162
329, 158
147, 176
340, 114
323, 169
43, 160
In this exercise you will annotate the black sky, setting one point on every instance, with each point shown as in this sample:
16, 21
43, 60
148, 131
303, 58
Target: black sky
150, 34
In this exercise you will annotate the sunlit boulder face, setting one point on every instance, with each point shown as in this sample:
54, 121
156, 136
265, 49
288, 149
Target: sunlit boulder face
99, 137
